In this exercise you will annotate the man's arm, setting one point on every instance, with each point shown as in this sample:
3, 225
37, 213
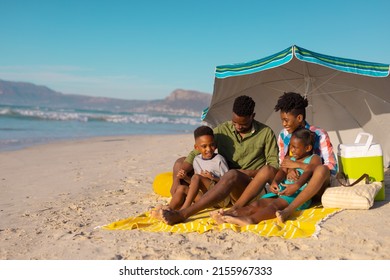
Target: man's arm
271, 150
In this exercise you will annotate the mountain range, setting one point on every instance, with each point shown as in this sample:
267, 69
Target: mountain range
179, 102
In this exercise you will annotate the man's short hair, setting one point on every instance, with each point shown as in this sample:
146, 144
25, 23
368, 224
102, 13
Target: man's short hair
294, 103
203, 130
243, 106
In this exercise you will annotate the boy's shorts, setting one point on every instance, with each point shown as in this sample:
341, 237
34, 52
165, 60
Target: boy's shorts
224, 203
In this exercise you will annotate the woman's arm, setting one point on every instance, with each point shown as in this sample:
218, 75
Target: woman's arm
304, 178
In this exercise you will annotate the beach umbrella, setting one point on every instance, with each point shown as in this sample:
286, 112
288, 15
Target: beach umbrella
346, 96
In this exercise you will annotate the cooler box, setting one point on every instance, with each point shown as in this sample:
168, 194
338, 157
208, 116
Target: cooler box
359, 158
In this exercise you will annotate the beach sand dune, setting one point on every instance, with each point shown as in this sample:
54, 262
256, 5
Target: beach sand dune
52, 198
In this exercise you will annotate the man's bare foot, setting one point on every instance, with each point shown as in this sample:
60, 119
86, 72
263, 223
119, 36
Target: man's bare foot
172, 217
283, 215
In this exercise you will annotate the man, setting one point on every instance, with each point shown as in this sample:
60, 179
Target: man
250, 149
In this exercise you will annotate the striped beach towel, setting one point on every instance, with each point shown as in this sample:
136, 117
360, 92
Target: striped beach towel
304, 223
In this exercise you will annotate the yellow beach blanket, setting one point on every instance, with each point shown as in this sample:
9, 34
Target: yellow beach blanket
305, 223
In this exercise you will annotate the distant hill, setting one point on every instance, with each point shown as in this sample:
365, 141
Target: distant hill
183, 102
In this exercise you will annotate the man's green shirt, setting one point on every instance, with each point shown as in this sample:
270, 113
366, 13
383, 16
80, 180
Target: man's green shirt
257, 148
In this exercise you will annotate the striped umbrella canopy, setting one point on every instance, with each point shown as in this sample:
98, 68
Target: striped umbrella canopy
345, 96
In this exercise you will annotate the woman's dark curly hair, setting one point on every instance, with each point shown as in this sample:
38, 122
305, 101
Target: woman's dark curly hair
243, 106
294, 103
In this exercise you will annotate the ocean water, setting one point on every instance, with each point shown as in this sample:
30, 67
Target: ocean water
26, 126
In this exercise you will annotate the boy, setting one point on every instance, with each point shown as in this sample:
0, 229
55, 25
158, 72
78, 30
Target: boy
208, 168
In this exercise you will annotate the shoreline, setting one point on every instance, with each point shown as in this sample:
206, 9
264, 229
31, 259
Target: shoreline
10, 148
55, 195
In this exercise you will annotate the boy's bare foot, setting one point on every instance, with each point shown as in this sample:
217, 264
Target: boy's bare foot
172, 217
165, 207
156, 213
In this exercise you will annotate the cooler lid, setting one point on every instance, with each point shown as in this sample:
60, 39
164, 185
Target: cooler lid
358, 149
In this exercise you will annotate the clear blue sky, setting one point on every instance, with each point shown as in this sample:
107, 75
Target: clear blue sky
146, 49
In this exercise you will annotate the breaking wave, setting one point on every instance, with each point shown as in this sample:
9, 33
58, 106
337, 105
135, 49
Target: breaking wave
94, 116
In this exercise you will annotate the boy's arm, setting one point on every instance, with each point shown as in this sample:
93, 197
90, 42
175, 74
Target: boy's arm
209, 175
187, 167
182, 174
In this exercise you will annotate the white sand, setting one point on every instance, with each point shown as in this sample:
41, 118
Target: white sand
53, 196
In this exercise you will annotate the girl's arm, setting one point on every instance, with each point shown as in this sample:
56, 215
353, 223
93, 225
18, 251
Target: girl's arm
279, 177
